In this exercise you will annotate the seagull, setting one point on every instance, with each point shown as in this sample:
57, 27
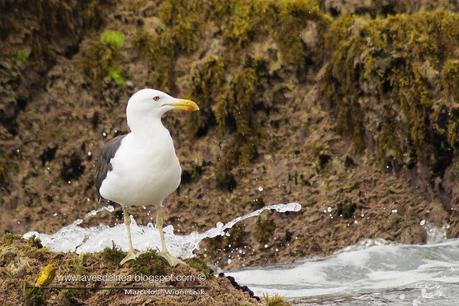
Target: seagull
141, 167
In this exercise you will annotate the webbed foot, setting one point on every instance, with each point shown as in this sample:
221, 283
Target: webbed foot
171, 260
131, 255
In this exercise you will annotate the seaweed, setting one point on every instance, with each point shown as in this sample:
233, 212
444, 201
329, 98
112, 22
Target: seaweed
391, 69
264, 230
289, 22
178, 34
206, 81
229, 84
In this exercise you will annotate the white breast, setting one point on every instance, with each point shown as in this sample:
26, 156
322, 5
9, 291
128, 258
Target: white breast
144, 171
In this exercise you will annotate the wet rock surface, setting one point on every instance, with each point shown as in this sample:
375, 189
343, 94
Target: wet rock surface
264, 135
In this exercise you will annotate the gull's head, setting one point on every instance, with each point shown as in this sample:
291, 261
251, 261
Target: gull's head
150, 104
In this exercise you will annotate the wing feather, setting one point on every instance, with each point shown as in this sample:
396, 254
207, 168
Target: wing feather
103, 162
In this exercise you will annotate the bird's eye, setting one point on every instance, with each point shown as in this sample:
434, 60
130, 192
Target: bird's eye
156, 98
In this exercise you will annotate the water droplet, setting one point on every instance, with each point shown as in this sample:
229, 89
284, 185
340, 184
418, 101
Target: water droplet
266, 246
423, 222
329, 209
69, 182
229, 261
260, 188
55, 214
104, 134
89, 153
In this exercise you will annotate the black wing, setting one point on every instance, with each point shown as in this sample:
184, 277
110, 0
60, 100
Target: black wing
103, 162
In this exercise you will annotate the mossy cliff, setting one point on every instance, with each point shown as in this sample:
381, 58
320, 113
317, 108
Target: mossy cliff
391, 82
29, 48
28, 31
384, 8
228, 80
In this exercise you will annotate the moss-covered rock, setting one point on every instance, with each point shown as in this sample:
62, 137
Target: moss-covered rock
264, 231
103, 58
112, 257
200, 265
389, 82
227, 81
27, 275
205, 84
149, 263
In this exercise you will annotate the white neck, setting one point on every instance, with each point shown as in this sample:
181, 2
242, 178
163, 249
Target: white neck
146, 127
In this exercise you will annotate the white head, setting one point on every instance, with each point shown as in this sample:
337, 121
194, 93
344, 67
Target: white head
146, 107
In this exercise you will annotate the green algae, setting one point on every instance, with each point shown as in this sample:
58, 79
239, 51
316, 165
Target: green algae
117, 76
112, 38
228, 83
291, 19
205, 86
103, 58
179, 34
264, 230
22, 56
397, 63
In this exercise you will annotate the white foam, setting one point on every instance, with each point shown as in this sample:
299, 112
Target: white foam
371, 272
74, 238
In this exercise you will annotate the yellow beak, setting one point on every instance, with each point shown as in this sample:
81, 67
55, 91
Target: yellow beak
186, 105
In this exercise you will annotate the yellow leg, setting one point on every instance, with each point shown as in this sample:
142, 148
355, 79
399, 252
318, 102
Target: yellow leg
132, 254
164, 253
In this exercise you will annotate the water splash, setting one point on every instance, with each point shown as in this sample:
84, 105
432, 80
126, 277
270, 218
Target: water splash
74, 238
435, 234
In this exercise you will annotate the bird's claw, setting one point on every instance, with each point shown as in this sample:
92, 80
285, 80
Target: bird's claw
171, 260
131, 255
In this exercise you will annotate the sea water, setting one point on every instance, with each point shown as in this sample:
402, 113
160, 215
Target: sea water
373, 272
